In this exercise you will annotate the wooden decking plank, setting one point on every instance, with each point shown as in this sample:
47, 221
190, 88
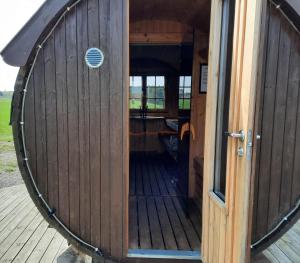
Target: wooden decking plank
190, 231
9, 210
178, 230
8, 199
22, 239
293, 239
269, 257
278, 254
8, 237
195, 218
161, 183
165, 176
21, 216
133, 223
42, 246
63, 247
144, 231
167, 231
139, 180
155, 229
132, 173
154, 183
52, 249
287, 250
13, 213
146, 179
31, 243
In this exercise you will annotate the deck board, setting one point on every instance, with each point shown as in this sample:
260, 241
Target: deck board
156, 220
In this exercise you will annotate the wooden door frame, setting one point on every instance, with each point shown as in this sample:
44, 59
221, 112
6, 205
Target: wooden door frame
233, 214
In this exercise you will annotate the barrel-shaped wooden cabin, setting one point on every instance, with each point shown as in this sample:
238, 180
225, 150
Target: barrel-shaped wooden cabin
161, 131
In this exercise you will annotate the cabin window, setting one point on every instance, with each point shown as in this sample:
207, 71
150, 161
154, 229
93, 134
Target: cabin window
136, 92
155, 92
185, 87
226, 45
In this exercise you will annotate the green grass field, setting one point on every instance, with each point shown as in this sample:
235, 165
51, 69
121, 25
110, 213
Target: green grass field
5, 129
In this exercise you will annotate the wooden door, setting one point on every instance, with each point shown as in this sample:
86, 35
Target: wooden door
234, 41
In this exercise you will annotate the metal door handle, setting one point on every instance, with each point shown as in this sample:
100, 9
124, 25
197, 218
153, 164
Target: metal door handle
239, 135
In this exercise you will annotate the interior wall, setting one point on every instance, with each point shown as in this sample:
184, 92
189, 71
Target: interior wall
198, 109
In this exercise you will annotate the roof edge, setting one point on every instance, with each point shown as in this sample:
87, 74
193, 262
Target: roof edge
18, 50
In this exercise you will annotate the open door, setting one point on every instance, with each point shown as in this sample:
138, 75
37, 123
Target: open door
234, 39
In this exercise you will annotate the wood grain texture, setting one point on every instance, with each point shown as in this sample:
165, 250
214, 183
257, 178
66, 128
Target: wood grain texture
276, 164
76, 151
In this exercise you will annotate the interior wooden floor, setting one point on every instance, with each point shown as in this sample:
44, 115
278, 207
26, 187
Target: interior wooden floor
159, 215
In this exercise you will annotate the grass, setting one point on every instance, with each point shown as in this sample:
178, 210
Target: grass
7, 157
5, 129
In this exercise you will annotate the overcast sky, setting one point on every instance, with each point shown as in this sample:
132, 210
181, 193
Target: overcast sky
13, 15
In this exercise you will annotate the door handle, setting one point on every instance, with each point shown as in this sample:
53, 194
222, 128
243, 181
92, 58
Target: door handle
238, 135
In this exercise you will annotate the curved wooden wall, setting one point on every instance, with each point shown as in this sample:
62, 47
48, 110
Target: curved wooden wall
277, 184
75, 121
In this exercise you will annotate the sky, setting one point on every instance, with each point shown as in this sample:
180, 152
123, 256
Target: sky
13, 15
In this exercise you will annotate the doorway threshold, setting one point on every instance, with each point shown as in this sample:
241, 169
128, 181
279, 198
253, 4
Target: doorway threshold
167, 254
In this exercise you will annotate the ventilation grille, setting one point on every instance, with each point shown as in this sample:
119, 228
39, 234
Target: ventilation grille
94, 57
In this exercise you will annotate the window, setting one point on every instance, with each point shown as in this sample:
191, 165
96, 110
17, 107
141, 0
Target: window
147, 92
228, 11
136, 92
185, 88
155, 92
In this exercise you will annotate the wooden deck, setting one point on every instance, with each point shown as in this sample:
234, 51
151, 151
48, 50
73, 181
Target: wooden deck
285, 250
24, 235
160, 218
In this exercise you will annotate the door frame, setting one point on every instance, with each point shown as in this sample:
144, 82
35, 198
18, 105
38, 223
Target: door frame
225, 224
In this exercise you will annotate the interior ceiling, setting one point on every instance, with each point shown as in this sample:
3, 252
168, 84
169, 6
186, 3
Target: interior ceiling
195, 13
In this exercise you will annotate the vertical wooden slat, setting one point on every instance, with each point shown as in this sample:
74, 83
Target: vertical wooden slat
105, 77
49, 61
94, 84
41, 136
290, 125
71, 78
267, 129
116, 126
62, 121
30, 126
278, 128
84, 122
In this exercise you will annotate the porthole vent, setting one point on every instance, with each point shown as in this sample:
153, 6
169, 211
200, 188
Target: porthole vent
94, 57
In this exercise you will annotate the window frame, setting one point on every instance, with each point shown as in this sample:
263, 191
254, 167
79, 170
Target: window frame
144, 93
185, 87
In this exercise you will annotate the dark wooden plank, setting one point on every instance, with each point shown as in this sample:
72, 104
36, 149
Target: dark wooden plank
278, 129
296, 169
84, 122
258, 120
132, 184
194, 239
144, 230
71, 78
29, 126
146, 178
166, 178
165, 224
62, 122
95, 158
133, 223
50, 86
290, 126
178, 230
41, 133
159, 180
139, 179
117, 134
105, 78
267, 128
152, 178
155, 229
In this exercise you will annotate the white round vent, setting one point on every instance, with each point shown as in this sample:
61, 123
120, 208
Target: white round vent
94, 57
